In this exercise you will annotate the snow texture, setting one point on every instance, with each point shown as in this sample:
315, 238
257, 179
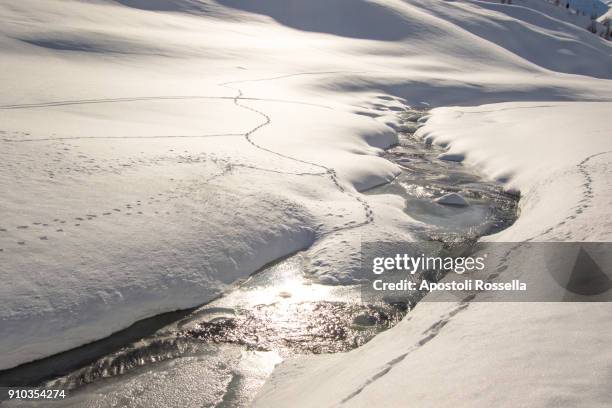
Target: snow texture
154, 152
482, 354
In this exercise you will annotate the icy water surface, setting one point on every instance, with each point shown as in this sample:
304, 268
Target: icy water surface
223, 351
425, 177
219, 355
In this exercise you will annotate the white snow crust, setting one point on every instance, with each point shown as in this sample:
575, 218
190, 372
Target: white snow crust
154, 152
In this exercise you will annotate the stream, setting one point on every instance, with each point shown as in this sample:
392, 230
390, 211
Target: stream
220, 354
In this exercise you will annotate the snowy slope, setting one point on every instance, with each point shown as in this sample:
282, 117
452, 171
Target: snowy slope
154, 152
534, 30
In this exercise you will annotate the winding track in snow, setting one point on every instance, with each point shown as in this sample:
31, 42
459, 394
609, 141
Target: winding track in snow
79, 102
437, 326
61, 138
248, 135
267, 120
227, 166
51, 104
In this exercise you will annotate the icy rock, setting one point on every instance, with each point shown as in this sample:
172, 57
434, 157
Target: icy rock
452, 199
456, 157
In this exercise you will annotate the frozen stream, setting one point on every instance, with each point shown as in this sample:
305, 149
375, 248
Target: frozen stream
221, 353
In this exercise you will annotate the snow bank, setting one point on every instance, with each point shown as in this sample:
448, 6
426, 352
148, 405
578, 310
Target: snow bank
126, 200
154, 152
539, 149
493, 353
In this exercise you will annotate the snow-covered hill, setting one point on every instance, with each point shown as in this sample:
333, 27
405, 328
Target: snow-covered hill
579, 13
154, 152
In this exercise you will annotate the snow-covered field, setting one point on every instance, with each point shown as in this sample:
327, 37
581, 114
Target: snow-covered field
156, 151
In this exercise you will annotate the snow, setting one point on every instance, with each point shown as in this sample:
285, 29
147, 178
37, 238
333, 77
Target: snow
456, 157
538, 149
159, 151
493, 353
471, 362
452, 199
606, 17
589, 7
125, 200
557, 154
578, 14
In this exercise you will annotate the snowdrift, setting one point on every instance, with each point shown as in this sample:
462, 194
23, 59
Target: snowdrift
154, 152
